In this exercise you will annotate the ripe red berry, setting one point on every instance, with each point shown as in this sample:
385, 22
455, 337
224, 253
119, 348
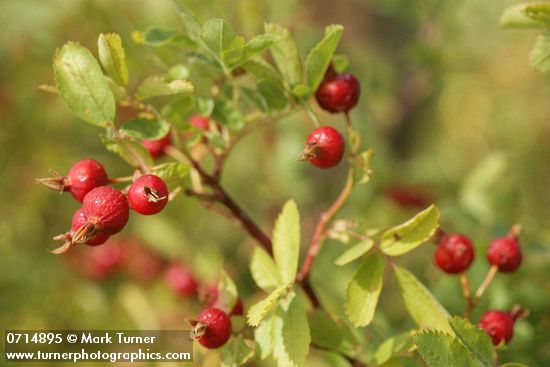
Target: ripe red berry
79, 220
213, 328
505, 253
156, 147
199, 122
498, 325
338, 93
324, 147
106, 210
181, 280
83, 176
454, 253
148, 195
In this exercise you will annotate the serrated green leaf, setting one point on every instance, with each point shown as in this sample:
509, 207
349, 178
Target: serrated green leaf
222, 42
285, 53
257, 312
355, 252
393, 347
173, 173
475, 339
409, 235
160, 37
237, 352
145, 129
330, 334
274, 93
263, 335
112, 57
363, 291
132, 152
320, 56
155, 86
540, 55
257, 45
340, 63
291, 335
286, 242
539, 11
264, 271
515, 17
83, 86
424, 309
229, 114
361, 162
442, 350
227, 293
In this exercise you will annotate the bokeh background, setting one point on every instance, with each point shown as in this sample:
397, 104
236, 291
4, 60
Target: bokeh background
448, 103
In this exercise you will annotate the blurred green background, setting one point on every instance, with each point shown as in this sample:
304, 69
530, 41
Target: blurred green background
448, 103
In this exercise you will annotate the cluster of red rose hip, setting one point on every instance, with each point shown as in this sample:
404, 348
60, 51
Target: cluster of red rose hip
454, 255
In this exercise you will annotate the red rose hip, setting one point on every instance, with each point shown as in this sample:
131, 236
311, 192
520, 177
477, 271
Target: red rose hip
505, 253
181, 280
156, 147
212, 329
324, 147
498, 325
148, 195
106, 210
199, 122
454, 253
94, 239
84, 176
338, 93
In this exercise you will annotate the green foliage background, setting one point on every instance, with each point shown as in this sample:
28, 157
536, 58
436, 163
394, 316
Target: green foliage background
448, 102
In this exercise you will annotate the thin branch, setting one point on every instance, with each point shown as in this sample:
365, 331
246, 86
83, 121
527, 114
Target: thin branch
467, 296
486, 282
320, 230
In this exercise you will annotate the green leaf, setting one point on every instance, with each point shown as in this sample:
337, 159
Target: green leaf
302, 91
177, 110
173, 173
263, 335
261, 69
320, 56
160, 37
274, 93
540, 56
257, 45
442, 350
205, 106
516, 16
361, 163
131, 151
475, 339
285, 53
363, 291
291, 335
229, 114
407, 236
330, 334
145, 129
83, 86
264, 271
222, 42
340, 63
237, 352
192, 26
393, 347
112, 57
424, 309
324, 358
227, 292
286, 242
355, 252
257, 312
155, 86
